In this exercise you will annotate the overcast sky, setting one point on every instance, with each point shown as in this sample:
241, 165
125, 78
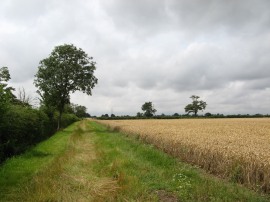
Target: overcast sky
162, 51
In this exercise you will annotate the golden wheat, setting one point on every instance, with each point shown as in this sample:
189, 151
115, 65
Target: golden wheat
238, 149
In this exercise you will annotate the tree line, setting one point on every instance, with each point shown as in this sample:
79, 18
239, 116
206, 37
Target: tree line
196, 105
66, 70
191, 110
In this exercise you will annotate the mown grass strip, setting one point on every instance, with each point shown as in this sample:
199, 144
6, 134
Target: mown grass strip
18, 170
147, 174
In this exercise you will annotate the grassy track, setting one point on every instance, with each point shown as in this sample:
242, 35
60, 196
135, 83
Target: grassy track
86, 162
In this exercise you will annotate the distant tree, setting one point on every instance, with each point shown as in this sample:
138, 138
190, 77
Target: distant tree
113, 115
139, 114
148, 109
66, 70
195, 106
175, 114
80, 111
207, 114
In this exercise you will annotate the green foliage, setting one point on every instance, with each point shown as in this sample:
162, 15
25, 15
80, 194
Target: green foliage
208, 114
195, 106
5, 91
148, 109
78, 110
66, 70
139, 114
4, 74
21, 127
68, 119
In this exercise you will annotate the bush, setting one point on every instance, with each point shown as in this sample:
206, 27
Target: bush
68, 119
21, 127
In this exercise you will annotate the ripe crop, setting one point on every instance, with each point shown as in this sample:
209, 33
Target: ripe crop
238, 149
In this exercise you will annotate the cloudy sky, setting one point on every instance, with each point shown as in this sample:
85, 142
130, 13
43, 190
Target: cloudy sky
162, 51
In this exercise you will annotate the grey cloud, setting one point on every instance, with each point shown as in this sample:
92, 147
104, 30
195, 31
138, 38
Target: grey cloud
162, 51
140, 17
193, 18
211, 14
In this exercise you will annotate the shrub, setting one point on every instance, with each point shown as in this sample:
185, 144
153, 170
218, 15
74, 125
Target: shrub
21, 127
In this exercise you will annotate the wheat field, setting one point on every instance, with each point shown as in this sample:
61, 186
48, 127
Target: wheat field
238, 149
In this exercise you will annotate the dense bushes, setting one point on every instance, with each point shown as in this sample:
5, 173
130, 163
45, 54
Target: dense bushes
21, 127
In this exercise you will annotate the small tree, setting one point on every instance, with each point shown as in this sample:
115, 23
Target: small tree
66, 70
6, 95
208, 114
196, 105
139, 114
113, 116
148, 109
80, 111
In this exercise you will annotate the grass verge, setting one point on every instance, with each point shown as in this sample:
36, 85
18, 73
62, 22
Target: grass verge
17, 171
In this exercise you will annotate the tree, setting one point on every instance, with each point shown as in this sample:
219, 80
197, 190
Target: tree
66, 70
105, 115
80, 111
5, 92
23, 99
139, 114
196, 105
148, 109
208, 114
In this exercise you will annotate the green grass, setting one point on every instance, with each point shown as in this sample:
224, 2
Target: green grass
18, 170
88, 162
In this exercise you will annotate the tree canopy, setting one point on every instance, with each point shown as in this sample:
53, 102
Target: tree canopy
148, 109
195, 106
5, 92
66, 70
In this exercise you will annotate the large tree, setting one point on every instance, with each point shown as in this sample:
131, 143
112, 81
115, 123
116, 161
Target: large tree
66, 70
148, 109
196, 105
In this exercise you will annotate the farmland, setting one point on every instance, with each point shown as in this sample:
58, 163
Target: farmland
88, 162
236, 149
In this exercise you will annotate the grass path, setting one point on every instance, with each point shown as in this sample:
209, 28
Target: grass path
86, 162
